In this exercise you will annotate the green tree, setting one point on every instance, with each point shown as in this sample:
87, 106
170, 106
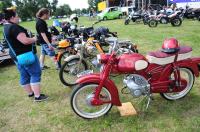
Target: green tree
63, 10
28, 8
93, 4
54, 4
5, 4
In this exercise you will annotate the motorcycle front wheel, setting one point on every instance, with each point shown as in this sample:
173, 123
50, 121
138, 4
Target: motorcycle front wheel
176, 22
62, 56
127, 21
81, 99
189, 77
70, 69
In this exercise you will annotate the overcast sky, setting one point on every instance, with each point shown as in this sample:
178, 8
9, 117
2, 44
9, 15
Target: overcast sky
74, 3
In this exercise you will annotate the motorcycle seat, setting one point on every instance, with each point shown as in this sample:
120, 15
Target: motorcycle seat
161, 58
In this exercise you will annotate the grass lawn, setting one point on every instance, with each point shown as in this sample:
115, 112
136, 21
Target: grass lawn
19, 113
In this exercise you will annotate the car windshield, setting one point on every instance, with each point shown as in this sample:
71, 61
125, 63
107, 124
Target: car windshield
106, 10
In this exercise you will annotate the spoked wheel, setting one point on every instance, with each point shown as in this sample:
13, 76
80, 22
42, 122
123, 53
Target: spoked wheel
153, 23
176, 22
81, 101
70, 69
187, 75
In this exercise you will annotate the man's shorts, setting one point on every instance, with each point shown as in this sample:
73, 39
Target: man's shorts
30, 74
45, 50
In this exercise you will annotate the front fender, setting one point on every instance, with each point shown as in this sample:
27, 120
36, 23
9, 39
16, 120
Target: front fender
109, 85
71, 57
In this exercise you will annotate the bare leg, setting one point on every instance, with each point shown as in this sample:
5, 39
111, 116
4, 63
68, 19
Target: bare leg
42, 57
36, 89
28, 89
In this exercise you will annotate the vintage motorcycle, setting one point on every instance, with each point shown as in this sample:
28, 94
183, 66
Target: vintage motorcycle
137, 17
169, 72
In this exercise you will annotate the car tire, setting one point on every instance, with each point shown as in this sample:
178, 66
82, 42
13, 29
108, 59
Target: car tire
105, 18
120, 16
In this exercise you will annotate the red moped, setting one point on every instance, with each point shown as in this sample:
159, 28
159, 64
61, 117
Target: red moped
169, 72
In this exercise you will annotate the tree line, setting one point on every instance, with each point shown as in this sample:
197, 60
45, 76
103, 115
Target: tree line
27, 9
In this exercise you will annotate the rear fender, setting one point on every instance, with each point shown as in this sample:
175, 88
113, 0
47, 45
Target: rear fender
109, 85
191, 64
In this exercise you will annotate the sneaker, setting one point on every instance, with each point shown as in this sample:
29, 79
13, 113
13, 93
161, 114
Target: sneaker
31, 95
41, 98
45, 67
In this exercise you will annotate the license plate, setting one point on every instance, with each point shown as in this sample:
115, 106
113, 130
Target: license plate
87, 72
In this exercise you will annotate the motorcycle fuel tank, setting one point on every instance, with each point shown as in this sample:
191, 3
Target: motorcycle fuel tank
131, 62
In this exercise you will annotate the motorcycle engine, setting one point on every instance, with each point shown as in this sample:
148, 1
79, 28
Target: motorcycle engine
91, 50
137, 85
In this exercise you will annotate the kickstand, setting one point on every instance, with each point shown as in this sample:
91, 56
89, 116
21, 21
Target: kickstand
148, 101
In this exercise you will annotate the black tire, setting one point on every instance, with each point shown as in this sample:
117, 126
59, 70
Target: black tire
153, 23
88, 111
199, 18
184, 92
105, 18
126, 22
176, 22
63, 72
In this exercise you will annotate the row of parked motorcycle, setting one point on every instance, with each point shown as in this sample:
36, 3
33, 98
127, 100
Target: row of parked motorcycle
77, 49
153, 18
90, 59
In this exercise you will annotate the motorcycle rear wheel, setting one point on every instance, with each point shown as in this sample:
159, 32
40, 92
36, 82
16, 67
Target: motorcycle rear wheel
189, 77
81, 101
176, 22
126, 22
70, 69
153, 23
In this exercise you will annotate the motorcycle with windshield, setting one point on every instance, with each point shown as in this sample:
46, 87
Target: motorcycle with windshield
170, 72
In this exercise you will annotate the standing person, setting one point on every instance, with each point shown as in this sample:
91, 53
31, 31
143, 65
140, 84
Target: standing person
44, 37
91, 14
20, 43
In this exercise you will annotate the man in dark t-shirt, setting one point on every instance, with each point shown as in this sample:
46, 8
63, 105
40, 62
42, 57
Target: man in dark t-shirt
19, 43
44, 37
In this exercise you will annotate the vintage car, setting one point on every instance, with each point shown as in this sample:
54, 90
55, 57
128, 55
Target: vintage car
4, 51
110, 13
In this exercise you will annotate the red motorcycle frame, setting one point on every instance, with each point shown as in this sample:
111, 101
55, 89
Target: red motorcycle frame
162, 78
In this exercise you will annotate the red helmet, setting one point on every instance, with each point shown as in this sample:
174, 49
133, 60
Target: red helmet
170, 45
